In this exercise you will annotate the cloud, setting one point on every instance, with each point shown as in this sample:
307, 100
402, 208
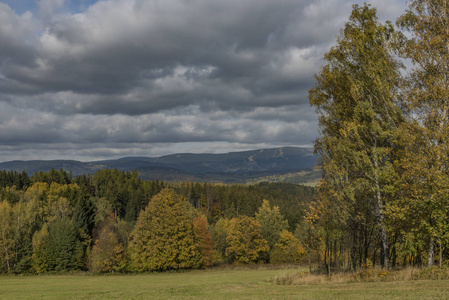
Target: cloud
114, 74
16, 38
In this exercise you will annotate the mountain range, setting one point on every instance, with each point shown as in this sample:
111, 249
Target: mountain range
228, 167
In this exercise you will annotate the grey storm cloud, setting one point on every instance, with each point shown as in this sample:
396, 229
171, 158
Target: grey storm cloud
129, 76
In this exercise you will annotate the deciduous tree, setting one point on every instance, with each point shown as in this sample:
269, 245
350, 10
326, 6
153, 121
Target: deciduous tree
355, 98
7, 242
288, 249
163, 238
203, 240
246, 244
272, 222
427, 98
108, 253
219, 232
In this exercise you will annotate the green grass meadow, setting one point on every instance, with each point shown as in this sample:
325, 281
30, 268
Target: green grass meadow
209, 284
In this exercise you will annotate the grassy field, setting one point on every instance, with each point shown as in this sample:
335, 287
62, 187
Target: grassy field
209, 284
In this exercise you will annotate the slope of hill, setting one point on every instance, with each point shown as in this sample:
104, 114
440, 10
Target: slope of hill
228, 167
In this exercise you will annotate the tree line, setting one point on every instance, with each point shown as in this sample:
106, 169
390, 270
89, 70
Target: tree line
114, 221
383, 105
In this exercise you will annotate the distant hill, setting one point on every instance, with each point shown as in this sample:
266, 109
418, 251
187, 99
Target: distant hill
228, 167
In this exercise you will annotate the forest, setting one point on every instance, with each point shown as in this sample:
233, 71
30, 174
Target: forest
382, 99
114, 221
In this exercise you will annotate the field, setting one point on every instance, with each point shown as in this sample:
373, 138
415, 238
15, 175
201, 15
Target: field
209, 284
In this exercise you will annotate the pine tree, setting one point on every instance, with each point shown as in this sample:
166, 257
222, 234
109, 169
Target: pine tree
56, 247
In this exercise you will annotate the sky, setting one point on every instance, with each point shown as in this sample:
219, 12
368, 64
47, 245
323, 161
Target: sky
91, 80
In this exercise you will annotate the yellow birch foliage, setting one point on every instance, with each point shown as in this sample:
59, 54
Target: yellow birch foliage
246, 244
40, 262
7, 243
271, 221
426, 93
108, 254
163, 238
288, 249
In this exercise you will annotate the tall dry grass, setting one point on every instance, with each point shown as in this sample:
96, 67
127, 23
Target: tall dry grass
367, 275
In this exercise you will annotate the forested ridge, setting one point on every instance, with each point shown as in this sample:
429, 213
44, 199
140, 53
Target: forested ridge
114, 221
285, 163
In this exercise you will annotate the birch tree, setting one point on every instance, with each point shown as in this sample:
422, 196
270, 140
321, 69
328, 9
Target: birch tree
355, 98
427, 97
